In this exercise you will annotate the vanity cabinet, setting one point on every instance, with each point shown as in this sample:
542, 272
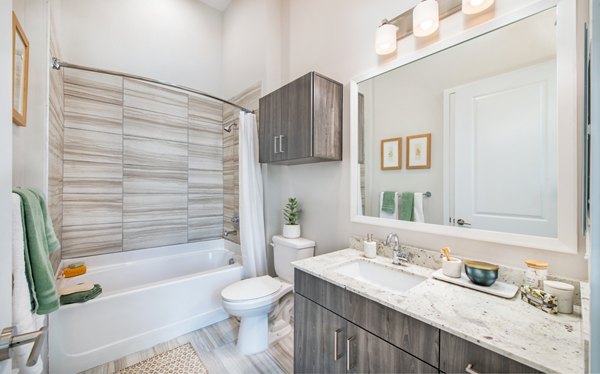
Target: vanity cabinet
328, 343
302, 122
458, 354
339, 331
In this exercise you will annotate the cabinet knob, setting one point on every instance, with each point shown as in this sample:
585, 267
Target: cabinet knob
469, 369
462, 222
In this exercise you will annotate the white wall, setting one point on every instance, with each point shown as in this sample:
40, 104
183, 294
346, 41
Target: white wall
335, 38
5, 169
30, 142
152, 38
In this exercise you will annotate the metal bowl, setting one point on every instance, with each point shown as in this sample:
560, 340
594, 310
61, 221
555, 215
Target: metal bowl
481, 273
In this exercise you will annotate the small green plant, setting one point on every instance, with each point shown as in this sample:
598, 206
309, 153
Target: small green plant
291, 212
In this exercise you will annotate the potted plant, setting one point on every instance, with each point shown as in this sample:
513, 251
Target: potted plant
291, 228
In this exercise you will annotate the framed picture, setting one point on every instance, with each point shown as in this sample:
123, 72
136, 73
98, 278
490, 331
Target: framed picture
391, 154
20, 73
418, 151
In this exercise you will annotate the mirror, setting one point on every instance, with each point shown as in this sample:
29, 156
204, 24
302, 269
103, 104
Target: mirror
469, 137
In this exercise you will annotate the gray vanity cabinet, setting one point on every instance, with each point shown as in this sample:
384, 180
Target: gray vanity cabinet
458, 354
302, 122
327, 343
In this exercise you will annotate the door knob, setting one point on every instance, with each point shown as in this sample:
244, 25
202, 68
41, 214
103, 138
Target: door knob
462, 222
8, 341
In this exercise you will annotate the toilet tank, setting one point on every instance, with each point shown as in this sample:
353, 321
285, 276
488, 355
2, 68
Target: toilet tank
286, 251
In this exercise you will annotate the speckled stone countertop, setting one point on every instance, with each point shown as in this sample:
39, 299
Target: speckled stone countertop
512, 328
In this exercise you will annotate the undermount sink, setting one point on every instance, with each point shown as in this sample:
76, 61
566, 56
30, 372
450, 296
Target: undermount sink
379, 275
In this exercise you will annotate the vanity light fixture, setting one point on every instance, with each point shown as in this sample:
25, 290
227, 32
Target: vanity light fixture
475, 6
426, 18
385, 38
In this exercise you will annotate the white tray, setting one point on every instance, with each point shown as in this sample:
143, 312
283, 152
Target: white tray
505, 290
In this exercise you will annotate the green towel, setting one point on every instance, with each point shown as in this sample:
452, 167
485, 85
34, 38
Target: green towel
388, 203
39, 240
81, 297
406, 209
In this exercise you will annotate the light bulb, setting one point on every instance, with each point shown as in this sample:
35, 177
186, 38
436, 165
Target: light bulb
475, 6
426, 18
385, 39
426, 25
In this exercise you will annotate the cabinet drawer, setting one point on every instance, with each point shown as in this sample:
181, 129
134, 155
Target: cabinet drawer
407, 333
321, 292
456, 354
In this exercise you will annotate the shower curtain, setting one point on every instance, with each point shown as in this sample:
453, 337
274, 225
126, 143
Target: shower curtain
252, 226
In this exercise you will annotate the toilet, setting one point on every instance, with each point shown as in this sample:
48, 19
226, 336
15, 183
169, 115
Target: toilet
253, 299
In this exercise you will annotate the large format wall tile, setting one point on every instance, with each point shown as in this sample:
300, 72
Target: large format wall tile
205, 228
148, 234
152, 207
91, 209
148, 179
205, 158
205, 205
143, 123
154, 98
205, 133
94, 86
93, 177
79, 241
205, 110
207, 182
83, 145
86, 114
155, 153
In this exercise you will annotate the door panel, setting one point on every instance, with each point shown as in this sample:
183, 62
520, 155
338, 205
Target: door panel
504, 182
269, 127
297, 129
366, 353
315, 332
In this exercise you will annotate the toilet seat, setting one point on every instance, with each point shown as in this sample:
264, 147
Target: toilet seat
251, 289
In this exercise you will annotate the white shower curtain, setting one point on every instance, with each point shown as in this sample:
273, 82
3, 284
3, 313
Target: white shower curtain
252, 226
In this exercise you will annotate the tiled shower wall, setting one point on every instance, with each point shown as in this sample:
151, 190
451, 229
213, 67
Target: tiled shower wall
143, 165
248, 99
55, 146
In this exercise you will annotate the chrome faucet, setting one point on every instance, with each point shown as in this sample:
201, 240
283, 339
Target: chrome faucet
226, 233
399, 258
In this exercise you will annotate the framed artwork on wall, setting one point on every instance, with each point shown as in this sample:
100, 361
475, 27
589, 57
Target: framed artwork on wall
418, 151
20, 73
391, 154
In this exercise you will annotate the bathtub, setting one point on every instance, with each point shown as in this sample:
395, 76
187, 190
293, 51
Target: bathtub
149, 296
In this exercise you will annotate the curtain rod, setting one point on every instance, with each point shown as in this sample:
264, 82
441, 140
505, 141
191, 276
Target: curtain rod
57, 64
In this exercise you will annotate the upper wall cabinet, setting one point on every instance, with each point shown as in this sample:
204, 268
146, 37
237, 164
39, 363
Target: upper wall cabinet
301, 122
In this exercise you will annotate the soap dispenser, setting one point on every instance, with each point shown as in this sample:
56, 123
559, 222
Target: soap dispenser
370, 247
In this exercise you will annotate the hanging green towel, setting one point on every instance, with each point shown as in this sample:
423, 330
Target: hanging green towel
406, 209
81, 297
39, 240
388, 203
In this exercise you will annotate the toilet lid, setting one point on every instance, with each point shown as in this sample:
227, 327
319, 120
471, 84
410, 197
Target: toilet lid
252, 288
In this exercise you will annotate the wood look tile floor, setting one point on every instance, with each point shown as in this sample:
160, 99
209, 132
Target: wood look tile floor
215, 346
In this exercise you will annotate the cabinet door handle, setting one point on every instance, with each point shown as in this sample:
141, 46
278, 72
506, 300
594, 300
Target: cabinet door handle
469, 369
336, 354
275, 144
280, 145
348, 352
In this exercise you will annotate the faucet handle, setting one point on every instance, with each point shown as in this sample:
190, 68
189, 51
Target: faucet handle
400, 258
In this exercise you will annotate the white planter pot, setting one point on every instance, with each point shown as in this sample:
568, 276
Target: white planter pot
291, 231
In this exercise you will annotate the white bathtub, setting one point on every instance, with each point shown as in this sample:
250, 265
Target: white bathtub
149, 296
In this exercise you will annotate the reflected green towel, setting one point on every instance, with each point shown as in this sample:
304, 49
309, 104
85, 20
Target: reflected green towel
39, 240
81, 297
406, 209
388, 203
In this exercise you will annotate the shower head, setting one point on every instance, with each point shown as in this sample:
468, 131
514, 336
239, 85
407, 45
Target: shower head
230, 127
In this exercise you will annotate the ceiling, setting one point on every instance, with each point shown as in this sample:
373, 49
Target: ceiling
217, 4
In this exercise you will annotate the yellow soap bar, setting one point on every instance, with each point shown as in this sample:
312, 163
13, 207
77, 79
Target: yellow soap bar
73, 272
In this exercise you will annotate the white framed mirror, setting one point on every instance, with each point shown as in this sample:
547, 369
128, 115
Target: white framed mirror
485, 133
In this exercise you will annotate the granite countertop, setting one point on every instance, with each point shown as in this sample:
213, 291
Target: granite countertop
512, 328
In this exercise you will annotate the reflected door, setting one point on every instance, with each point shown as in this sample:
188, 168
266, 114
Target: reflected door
502, 152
